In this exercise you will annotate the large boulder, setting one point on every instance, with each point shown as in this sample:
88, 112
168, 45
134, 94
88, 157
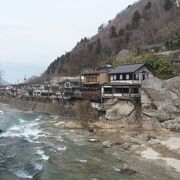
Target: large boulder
172, 124
160, 99
119, 110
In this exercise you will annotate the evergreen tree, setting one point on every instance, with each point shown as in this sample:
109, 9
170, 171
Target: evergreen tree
121, 32
168, 4
136, 20
148, 6
98, 46
113, 33
128, 27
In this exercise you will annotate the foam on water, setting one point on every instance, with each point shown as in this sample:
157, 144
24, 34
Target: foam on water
42, 154
62, 148
81, 160
38, 166
1, 112
22, 174
28, 130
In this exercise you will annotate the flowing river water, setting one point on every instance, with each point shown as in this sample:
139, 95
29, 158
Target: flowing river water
31, 150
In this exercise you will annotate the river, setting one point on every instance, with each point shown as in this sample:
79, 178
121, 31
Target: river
29, 149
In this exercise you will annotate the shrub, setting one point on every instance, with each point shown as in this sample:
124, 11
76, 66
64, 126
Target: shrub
159, 64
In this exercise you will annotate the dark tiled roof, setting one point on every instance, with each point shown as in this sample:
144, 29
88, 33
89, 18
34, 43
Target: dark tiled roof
151, 46
95, 72
127, 68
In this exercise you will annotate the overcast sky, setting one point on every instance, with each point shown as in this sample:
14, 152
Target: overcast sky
34, 32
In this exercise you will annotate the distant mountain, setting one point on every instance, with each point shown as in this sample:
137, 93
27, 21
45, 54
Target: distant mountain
145, 22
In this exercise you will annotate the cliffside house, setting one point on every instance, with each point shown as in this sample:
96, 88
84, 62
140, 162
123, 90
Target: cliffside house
158, 47
92, 82
125, 81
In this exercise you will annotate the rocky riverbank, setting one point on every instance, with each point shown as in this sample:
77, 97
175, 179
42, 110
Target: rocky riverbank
159, 105
158, 147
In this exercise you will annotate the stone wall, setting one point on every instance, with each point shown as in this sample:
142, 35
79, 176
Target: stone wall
49, 108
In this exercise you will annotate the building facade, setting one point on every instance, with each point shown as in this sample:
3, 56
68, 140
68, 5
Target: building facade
125, 81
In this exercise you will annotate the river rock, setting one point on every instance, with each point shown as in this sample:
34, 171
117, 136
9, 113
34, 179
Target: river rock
127, 170
107, 144
126, 146
92, 130
172, 124
93, 140
120, 110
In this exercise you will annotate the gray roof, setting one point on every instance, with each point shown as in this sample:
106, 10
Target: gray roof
151, 46
127, 68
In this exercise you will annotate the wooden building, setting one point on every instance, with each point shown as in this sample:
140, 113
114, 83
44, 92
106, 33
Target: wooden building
92, 82
72, 88
125, 81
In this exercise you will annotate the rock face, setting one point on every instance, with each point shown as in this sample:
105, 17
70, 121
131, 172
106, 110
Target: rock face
172, 124
118, 109
161, 99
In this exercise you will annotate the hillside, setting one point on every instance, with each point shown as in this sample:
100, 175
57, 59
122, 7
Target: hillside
145, 22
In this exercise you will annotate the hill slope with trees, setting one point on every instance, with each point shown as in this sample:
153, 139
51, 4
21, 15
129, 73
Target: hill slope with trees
145, 22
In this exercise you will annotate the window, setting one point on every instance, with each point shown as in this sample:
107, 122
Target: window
136, 76
127, 76
135, 91
111, 78
76, 83
117, 77
107, 90
119, 90
91, 79
114, 77
145, 76
121, 77
126, 90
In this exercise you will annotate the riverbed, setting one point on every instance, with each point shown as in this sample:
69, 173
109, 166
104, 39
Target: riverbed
32, 148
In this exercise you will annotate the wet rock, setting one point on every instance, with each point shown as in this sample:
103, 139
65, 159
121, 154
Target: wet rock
107, 144
126, 147
118, 143
1, 131
127, 170
93, 140
150, 137
92, 130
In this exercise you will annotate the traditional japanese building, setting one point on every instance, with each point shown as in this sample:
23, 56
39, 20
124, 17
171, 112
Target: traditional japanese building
92, 82
125, 81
